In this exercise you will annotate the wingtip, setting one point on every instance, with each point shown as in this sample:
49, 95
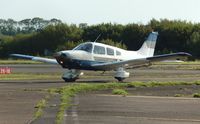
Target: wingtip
185, 54
12, 55
21, 56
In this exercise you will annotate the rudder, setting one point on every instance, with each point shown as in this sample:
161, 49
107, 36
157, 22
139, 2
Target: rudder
148, 46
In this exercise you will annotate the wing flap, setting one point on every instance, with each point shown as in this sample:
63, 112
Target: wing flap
39, 59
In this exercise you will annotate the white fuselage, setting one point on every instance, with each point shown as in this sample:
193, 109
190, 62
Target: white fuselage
93, 51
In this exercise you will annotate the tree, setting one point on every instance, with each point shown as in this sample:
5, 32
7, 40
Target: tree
195, 44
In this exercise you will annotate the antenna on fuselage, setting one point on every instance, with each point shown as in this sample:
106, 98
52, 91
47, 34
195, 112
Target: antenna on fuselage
97, 38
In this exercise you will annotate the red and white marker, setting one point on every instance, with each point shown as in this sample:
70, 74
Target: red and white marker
5, 70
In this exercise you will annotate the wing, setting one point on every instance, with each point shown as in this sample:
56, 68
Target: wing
134, 63
39, 59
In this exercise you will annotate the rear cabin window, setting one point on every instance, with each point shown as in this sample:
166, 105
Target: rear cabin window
118, 53
110, 51
99, 50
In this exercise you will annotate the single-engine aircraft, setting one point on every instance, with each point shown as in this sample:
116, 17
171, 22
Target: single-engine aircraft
101, 57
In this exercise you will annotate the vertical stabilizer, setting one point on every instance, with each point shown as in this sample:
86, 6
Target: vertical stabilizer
148, 46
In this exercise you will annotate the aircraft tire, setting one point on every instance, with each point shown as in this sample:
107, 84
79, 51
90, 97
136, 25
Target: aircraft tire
70, 80
120, 79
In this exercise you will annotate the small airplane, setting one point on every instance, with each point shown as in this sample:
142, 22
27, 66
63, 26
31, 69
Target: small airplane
101, 57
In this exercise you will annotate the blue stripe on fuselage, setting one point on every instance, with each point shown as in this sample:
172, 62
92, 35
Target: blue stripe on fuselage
82, 64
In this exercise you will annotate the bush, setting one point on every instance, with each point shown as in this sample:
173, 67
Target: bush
196, 95
178, 95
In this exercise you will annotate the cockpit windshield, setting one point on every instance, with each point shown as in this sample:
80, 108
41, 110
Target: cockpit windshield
85, 47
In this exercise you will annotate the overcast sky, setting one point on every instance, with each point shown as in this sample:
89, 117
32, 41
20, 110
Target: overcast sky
99, 11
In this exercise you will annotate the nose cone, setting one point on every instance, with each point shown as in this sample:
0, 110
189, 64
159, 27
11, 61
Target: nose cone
63, 58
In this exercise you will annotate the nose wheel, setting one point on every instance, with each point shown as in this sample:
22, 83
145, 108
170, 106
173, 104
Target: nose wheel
71, 75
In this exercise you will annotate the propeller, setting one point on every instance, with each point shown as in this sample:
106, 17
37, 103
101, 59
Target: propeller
62, 58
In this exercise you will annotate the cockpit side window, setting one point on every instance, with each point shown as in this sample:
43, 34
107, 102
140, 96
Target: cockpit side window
110, 51
99, 50
85, 47
118, 53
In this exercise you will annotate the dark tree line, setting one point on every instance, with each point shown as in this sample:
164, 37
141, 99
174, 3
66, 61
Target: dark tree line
38, 37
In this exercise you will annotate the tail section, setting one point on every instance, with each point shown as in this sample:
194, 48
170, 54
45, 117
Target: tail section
148, 46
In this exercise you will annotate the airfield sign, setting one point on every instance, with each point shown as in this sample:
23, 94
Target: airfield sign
5, 70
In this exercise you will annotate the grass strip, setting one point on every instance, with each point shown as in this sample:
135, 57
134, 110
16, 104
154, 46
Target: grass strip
178, 63
196, 95
40, 106
19, 62
120, 92
178, 95
28, 76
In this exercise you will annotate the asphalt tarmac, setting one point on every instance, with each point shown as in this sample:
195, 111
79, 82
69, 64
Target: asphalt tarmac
109, 109
18, 99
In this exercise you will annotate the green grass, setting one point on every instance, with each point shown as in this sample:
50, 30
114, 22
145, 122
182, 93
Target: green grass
36, 76
29, 76
188, 65
19, 62
119, 92
196, 95
178, 63
154, 84
178, 95
40, 106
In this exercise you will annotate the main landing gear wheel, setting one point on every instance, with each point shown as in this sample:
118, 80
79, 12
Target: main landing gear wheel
120, 79
71, 75
120, 74
69, 80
